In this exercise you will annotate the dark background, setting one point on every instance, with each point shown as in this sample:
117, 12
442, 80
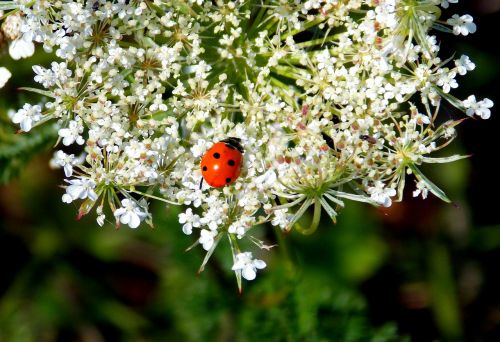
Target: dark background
420, 270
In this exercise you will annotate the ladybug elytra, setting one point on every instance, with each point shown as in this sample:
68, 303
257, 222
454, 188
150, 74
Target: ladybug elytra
221, 164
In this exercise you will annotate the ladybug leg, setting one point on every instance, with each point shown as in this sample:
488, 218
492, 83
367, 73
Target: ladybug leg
201, 183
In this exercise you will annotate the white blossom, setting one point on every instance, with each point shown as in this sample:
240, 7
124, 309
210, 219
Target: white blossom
280, 218
381, 194
247, 265
100, 216
27, 116
72, 133
464, 64
22, 47
130, 213
321, 121
421, 190
207, 238
481, 108
80, 188
188, 221
446, 3
66, 161
447, 81
462, 24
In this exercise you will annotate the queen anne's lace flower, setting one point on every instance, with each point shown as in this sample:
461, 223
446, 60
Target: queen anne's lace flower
421, 190
130, 213
66, 161
188, 221
27, 116
462, 25
72, 133
318, 92
382, 195
247, 265
464, 64
22, 47
481, 108
80, 188
207, 238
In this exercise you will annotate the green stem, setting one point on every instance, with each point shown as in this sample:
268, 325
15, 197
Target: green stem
285, 252
154, 197
315, 221
319, 41
305, 27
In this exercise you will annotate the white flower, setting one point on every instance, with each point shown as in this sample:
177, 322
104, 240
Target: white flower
4, 76
66, 161
146, 113
280, 218
22, 47
27, 116
100, 216
43, 76
72, 133
135, 149
100, 219
380, 194
130, 213
247, 265
462, 25
207, 238
266, 180
199, 148
188, 221
421, 189
49, 77
80, 188
464, 64
447, 81
481, 108
446, 3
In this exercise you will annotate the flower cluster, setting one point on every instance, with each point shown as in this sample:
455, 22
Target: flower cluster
332, 100
20, 42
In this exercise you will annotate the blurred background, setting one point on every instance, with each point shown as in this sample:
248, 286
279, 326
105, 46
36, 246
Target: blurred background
418, 271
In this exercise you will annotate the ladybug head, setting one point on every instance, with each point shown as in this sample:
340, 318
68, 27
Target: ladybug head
234, 143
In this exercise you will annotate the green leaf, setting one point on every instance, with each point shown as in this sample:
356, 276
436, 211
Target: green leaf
235, 250
38, 91
16, 150
431, 186
444, 159
210, 252
352, 197
442, 28
329, 210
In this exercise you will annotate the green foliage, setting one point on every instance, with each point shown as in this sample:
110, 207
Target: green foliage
141, 285
16, 150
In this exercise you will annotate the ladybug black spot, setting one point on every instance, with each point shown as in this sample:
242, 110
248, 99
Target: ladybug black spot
205, 168
231, 162
328, 140
228, 180
216, 155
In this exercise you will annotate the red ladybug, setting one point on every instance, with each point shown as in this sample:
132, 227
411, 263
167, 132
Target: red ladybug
221, 164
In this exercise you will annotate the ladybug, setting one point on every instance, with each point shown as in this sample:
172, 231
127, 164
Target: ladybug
221, 164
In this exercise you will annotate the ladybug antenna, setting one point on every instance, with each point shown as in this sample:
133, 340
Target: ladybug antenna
234, 143
201, 183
